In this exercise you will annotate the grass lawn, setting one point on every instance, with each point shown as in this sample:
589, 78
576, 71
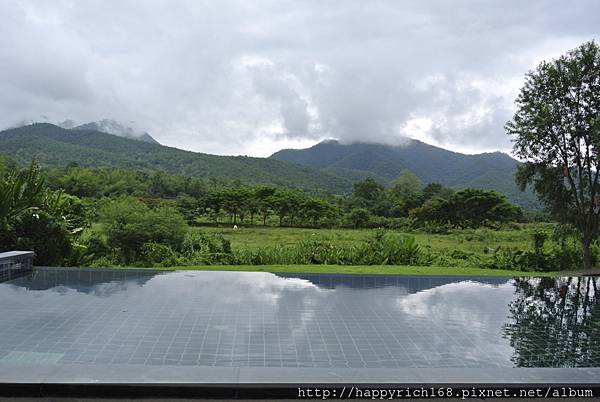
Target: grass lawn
369, 270
461, 251
459, 248
468, 240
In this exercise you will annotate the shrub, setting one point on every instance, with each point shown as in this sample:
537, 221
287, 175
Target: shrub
564, 256
384, 249
358, 217
156, 254
44, 234
202, 249
390, 249
129, 224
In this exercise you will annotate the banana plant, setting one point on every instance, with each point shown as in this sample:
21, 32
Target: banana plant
20, 192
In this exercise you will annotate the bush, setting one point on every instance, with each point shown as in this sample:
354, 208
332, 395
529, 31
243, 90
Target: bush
468, 208
435, 228
358, 217
155, 254
390, 249
45, 235
35, 218
202, 249
565, 255
323, 252
384, 249
129, 224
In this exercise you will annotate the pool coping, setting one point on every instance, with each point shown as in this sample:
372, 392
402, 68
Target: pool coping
215, 375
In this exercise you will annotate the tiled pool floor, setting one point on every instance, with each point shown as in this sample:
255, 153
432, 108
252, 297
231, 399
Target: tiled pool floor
236, 319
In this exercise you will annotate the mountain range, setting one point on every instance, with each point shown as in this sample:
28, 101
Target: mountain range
113, 127
328, 166
55, 146
108, 126
431, 164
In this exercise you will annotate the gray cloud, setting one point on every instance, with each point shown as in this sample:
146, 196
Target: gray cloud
240, 77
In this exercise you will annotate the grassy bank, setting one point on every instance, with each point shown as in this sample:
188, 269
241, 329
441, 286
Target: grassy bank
458, 248
368, 270
484, 251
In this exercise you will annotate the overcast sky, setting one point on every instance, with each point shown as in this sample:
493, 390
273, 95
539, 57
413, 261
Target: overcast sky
252, 77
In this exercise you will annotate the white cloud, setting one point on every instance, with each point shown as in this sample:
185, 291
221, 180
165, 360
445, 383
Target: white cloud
241, 77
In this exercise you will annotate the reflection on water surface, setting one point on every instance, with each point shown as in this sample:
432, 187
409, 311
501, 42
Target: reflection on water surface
264, 319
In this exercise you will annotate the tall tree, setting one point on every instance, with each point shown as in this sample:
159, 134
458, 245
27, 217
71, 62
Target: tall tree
406, 185
264, 196
556, 132
368, 189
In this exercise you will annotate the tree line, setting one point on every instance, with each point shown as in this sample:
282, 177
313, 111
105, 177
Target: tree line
405, 202
139, 212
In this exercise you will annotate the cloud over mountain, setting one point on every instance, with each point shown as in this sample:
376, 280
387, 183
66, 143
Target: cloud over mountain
253, 77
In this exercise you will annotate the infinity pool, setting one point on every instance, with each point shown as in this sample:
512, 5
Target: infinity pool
243, 319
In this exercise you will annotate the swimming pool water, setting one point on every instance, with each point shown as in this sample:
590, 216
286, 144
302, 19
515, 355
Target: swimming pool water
244, 319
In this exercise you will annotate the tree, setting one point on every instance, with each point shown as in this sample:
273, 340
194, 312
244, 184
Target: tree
263, 195
7, 165
213, 203
232, 202
434, 211
35, 218
556, 131
406, 185
368, 189
130, 224
20, 192
436, 190
315, 209
359, 217
474, 208
286, 203
188, 207
466, 208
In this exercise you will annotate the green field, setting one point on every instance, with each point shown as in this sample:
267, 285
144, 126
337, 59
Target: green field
372, 270
468, 252
467, 240
459, 248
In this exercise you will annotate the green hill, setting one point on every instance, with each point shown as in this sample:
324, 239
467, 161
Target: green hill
328, 166
431, 164
54, 146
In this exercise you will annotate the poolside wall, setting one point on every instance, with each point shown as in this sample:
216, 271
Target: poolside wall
15, 263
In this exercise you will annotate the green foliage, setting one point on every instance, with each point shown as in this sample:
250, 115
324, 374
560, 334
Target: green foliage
56, 147
144, 222
158, 255
21, 192
406, 184
556, 130
203, 249
7, 165
433, 190
359, 217
564, 257
383, 249
129, 224
368, 190
390, 249
466, 208
34, 218
45, 235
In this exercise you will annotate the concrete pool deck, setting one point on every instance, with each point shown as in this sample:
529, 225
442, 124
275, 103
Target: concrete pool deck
163, 374
67, 381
